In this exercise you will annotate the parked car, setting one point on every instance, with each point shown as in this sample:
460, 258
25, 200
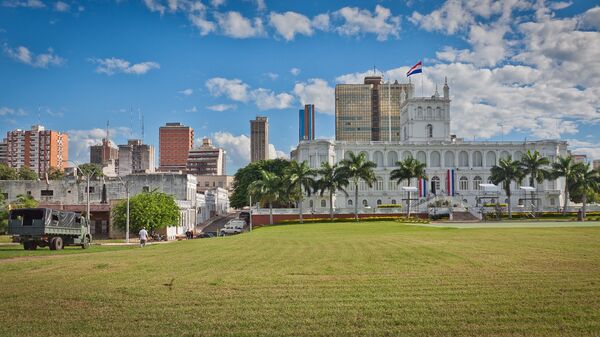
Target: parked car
204, 235
235, 226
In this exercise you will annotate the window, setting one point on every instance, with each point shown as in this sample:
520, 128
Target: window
378, 158
349, 202
438, 113
477, 159
449, 159
379, 184
429, 131
463, 159
422, 157
552, 201
365, 203
429, 113
392, 158
393, 201
206, 184
435, 184
323, 203
434, 158
92, 189
378, 201
392, 185
463, 183
46, 193
146, 189
476, 181
490, 159
419, 113
521, 202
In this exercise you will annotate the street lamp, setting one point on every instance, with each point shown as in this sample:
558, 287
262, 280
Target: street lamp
126, 184
87, 177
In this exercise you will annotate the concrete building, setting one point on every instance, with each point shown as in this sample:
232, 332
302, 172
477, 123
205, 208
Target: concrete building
38, 149
217, 202
206, 160
102, 154
135, 157
4, 152
596, 164
579, 158
456, 168
370, 111
175, 142
259, 139
207, 182
306, 122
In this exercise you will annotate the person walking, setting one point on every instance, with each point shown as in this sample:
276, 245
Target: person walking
143, 234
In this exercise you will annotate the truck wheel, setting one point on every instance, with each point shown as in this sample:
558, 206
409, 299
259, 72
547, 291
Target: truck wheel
53, 243
86, 243
59, 243
27, 245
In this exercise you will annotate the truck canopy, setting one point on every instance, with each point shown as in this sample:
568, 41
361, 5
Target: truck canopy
38, 221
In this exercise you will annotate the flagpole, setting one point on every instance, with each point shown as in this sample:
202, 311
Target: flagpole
422, 95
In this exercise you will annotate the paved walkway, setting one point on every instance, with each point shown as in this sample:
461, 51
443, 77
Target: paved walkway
514, 224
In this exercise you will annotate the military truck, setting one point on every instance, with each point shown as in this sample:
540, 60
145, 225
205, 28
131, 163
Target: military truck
45, 227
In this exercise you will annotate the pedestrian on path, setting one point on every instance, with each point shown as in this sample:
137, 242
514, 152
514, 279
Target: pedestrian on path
143, 237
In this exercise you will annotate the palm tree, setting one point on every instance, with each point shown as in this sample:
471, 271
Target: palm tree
565, 167
332, 179
355, 168
408, 169
301, 180
506, 172
532, 164
585, 181
268, 189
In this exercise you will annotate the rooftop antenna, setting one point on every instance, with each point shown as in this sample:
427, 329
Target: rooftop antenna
130, 122
142, 122
107, 130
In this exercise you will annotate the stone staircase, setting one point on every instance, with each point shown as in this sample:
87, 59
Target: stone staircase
464, 216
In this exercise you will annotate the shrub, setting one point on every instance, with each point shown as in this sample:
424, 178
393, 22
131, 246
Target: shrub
494, 205
389, 206
367, 219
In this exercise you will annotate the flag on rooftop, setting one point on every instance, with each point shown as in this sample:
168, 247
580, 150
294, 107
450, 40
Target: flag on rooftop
416, 69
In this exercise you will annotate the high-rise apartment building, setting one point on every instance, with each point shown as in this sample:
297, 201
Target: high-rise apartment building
103, 153
135, 157
175, 142
259, 139
206, 160
306, 122
579, 158
38, 149
370, 111
3, 151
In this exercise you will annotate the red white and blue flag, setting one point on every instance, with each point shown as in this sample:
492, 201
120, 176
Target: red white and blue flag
416, 69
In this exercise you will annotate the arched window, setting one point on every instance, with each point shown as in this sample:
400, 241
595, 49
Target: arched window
362, 185
406, 154
365, 203
405, 134
476, 181
422, 157
347, 154
429, 113
366, 154
392, 185
463, 184
435, 159
378, 158
429, 131
323, 203
419, 113
463, 159
438, 113
393, 201
392, 158
490, 159
518, 155
379, 184
504, 155
521, 202
378, 201
349, 202
449, 159
477, 159
436, 183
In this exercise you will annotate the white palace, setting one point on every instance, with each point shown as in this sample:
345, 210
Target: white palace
387, 123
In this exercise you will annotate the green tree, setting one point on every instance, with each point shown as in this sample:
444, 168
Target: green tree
25, 173
534, 165
584, 182
89, 169
565, 167
55, 174
268, 189
3, 213
152, 210
250, 173
331, 179
408, 169
24, 201
301, 180
8, 173
506, 172
356, 168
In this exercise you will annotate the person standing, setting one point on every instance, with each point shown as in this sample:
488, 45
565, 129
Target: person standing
143, 234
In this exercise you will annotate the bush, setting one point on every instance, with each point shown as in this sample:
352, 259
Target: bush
389, 206
367, 219
494, 205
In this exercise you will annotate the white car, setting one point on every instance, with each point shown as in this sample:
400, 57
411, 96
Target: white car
235, 226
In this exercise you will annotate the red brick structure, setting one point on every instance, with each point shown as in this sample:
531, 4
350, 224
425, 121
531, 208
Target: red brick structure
175, 142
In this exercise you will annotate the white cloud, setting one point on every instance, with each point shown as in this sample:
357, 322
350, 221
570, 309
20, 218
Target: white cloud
81, 140
238, 149
23, 3
289, 24
237, 90
5, 111
222, 107
591, 19
217, 3
187, 92
111, 66
272, 76
318, 92
295, 71
360, 21
233, 24
321, 22
275, 154
260, 5
192, 109
592, 150
61, 6
24, 55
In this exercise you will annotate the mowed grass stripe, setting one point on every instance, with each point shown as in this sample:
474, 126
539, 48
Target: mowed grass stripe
371, 279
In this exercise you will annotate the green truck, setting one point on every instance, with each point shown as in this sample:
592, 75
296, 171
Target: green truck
45, 227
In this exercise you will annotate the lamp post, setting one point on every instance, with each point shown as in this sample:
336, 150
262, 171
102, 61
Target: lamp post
126, 184
87, 177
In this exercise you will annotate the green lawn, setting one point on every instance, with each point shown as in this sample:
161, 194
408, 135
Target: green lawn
343, 279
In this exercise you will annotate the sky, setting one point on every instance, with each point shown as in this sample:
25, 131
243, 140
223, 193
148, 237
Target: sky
517, 69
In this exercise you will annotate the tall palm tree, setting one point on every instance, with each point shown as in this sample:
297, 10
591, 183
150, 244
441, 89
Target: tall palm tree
565, 167
408, 169
268, 189
355, 168
332, 180
585, 181
506, 172
534, 165
301, 180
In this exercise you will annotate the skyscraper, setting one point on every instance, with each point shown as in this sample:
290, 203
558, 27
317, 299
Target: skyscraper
206, 160
103, 153
135, 157
175, 142
259, 139
369, 111
37, 149
4, 151
306, 122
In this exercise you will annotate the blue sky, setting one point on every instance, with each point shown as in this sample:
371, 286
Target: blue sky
528, 68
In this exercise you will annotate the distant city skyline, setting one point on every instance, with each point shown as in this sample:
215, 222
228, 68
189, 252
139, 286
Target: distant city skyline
523, 70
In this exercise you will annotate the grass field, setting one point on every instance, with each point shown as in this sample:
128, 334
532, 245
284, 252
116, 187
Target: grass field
343, 279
